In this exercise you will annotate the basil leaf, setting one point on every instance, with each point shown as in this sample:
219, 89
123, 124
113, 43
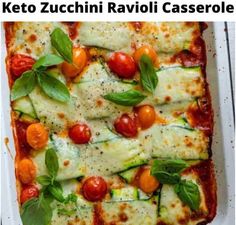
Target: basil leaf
44, 180
71, 198
23, 85
51, 161
148, 76
170, 166
167, 178
53, 87
36, 211
62, 43
66, 212
56, 191
127, 98
188, 193
48, 60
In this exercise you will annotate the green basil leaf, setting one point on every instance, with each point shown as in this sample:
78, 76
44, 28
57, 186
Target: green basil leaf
44, 180
188, 193
23, 85
66, 212
167, 178
53, 87
170, 166
62, 43
48, 60
71, 198
127, 98
36, 211
56, 191
51, 162
148, 76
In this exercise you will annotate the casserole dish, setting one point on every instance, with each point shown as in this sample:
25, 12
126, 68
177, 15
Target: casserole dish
216, 138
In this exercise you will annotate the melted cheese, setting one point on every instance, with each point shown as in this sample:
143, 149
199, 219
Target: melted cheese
95, 82
33, 38
174, 142
136, 212
167, 36
56, 115
113, 36
104, 157
177, 84
173, 211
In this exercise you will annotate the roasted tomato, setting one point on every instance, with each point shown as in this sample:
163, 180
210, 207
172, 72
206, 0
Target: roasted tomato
146, 116
20, 63
80, 133
26, 171
147, 182
37, 136
94, 188
126, 126
145, 50
122, 64
28, 193
79, 62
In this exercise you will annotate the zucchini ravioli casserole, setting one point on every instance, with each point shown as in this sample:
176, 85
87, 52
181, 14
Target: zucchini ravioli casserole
112, 123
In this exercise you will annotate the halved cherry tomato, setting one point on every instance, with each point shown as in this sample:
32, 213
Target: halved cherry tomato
79, 62
145, 50
94, 188
37, 136
146, 116
80, 133
20, 63
122, 64
26, 171
126, 126
147, 182
28, 193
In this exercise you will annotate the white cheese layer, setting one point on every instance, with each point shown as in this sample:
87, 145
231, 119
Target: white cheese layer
174, 142
173, 211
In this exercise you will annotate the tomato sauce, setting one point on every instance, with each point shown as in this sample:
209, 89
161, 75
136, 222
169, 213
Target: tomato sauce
206, 176
97, 215
73, 29
24, 147
137, 25
201, 115
195, 56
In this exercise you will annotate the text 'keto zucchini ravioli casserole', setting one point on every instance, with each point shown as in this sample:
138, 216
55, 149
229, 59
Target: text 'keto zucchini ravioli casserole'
112, 123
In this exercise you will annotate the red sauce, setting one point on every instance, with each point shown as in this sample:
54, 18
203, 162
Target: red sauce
8, 32
73, 29
196, 56
206, 176
97, 215
24, 147
203, 26
137, 25
201, 115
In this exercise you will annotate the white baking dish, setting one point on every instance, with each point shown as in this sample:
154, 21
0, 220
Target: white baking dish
222, 145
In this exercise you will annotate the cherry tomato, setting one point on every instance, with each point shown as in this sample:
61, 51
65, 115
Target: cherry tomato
26, 171
20, 63
28, 193
79, 62
80, 133
146, 116
94, 188
37, 136
126, 126
147, 182
122, 64
145, 50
